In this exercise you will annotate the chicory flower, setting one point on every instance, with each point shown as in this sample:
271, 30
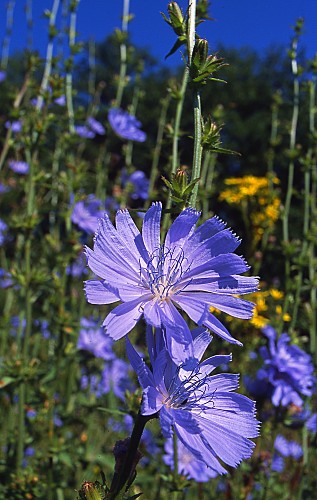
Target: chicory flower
287, 369
125, 125
211, 420
192, 270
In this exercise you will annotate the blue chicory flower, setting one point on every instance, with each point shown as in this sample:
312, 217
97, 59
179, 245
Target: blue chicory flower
188, 465
209, 418
84, 132
192, 269
115, 377
95, 126
61, 100
125, 125
287, 368
15, 126
92, 338
283, 449
19, 167
90, 130
140, 184
86, 213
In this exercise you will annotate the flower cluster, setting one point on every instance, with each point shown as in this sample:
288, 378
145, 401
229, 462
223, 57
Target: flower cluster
257, 195
192, 269
287, 372
284, 448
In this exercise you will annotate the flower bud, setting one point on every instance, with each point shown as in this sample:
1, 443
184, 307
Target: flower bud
90, 491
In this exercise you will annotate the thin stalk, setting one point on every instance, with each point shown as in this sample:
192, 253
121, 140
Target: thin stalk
196, 104
49, 54
175, 469
123, 54
158, 146
197, 146
92, 67
69, 76
132, 110
29, 24
176, 133
270, 175
290, 181
7, 36
178, 116
120, 478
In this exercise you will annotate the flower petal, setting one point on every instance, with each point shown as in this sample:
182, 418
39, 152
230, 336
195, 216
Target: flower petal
123, 318
151, 227
131, 235
144, 374
181, 229
97, 293
234, 306
194, 304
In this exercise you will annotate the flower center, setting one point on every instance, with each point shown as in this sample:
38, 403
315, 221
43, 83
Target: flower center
164, 271
189, 392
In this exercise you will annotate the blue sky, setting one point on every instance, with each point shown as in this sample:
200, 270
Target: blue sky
238, 23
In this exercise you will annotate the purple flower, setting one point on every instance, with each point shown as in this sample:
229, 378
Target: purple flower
125, 125
3, 230
78, 267
287, 368
285, 448
3, 75
86, 212
208, 418
4, 188
92, 338
288, 448
60, 101
140, 184
116, 378
31, 413
96, 126
16, 125
84, 132
192, 269
5, 277
90, 130
19, 167
188, 465
311, 423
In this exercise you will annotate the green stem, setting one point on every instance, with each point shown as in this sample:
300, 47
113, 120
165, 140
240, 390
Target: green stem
123, 55
290, 181
176, 133
49, 55
69, 76
197, 146
158, 147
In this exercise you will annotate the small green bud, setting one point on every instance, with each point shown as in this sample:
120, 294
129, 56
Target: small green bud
200, 52
177, 20
90, 491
